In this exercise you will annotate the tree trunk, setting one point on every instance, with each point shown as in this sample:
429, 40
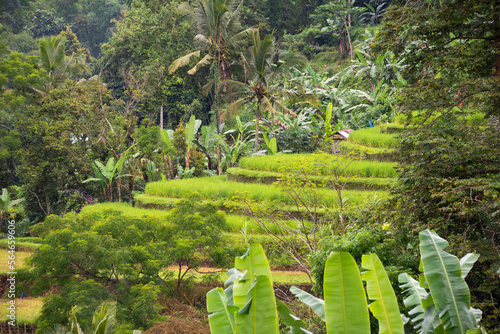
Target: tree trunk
256, 133
118, 187
349, 40
161, 117
130, 188
47, 202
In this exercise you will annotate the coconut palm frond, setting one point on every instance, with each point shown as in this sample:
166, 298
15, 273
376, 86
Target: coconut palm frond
297, 60
184, 9
202, 42
182, 61
52, 53
242, 38
235, 107
207, 60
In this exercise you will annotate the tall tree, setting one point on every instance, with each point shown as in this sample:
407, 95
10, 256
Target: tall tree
261, 83
59, 66
449, 163
452, 49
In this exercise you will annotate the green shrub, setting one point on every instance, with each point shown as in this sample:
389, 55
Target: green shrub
296, 140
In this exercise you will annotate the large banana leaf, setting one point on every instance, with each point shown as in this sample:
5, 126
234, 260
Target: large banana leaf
166, 138
259, 315
346, 308
119, 165
252, 264
413, 301
222, 318
450, 293
316, 304
190, 127
431, 323
328, 120
296, 325
385, 305
104, 318
467, 262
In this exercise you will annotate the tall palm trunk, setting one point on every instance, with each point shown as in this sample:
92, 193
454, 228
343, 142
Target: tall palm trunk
257, 119
161, 117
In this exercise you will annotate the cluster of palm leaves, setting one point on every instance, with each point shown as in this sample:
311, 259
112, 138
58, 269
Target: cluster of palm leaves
57, 64
259, 81
7, 203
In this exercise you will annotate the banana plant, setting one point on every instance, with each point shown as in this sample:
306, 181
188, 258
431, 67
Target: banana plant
191, 129
248, 305
7, 203
327, 122
344, 308
271, 144
440, 302
207, 144
103, 322
107, 174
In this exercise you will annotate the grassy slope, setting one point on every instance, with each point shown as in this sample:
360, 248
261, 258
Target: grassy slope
276, 163
219, 188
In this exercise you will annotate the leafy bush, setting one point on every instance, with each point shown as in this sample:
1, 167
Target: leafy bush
104, 254
296, 140
358, 241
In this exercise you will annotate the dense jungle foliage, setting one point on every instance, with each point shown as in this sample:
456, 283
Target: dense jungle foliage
144, 143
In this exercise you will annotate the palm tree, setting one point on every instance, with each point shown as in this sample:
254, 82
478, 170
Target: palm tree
261, 83
218, 35
216, 25
7, 203
59, 66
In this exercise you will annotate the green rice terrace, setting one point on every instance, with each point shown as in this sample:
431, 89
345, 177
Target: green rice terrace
238, 166
257, 180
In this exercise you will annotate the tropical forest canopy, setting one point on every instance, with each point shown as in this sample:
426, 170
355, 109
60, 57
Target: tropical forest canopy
187, 109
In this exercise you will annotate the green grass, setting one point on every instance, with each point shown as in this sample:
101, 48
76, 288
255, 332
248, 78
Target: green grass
372, 137
27, 309
328, 162
391, 127
23, 243
218, 188
19, 260
360, 183
125, 209
154, 202
378, 154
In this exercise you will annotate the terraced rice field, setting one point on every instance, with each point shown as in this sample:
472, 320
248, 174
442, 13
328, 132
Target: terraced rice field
257, 179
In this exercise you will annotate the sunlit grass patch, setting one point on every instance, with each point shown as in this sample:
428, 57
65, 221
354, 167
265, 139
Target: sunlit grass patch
372, 137
20, 258
125, 209
26, 244
290, 277
27, 309
325, 162
218, 188
360, 183
220, 275
154, 202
